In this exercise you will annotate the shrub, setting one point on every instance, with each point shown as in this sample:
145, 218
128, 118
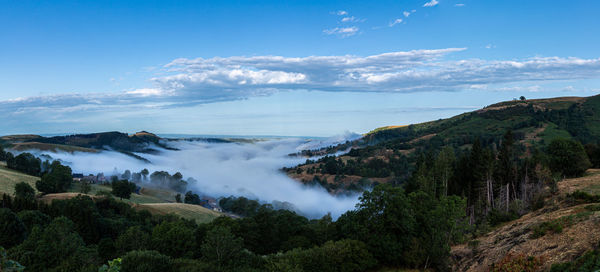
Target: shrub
583, 197
146, 261
590, 261
568, 157
521, 263
554, 226
24, 191
12, 229
344, 255
593, 208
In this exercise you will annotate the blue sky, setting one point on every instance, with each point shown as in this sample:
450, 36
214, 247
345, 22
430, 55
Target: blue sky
311, 68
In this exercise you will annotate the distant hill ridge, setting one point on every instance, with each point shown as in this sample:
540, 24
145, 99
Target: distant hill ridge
142, 141
534, 124
535, 120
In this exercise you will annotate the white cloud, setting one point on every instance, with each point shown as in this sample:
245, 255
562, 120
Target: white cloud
146, 92
349, 19
395, 22
431, 3
341, 12
342, 31
459, 5
187, 82
406, 13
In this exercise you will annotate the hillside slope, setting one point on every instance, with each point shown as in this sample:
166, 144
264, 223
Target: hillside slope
385, 154
9, 177
578, 231
139, 142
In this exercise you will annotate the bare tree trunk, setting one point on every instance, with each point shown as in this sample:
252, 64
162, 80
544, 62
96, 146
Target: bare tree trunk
507, 195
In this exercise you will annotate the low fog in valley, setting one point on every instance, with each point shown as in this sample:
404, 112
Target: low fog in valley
250, 169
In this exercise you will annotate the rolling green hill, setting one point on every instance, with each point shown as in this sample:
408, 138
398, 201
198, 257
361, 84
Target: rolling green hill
386, 154
9, 177
122, 142
576, 117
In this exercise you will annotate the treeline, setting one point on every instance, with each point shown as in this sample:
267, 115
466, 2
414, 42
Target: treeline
361, 166
160, 179
500, 183
389, 228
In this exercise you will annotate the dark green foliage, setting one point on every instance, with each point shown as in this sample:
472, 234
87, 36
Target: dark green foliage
384, 221
583, 197
540, 230
25, 162
2, 153
175, 239
83, 212
146, 261
593, 208
84, 187
189, 265
568, 158
32, 218
54, 246
123, 188
589, 262
106, 249
133, 239
401, 229
239, 205
7, 264
221, 248
496, 216
191, 198
12, 229
593, 152
56, 180
115, 140
165, 180
343, 255
268, 231
24, 191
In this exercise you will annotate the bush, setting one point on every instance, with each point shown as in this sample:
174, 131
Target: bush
593, 208
554, 226
521, 263
583, 197
541, 229
12, 229
590, 261
496, 217
146, 261
344, 255
57, 180
568, 158
123, 188
24, 191
32, 218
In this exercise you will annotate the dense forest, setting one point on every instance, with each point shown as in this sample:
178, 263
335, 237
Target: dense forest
451, 196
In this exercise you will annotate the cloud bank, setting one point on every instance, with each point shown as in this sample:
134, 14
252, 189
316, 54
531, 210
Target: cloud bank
224, 169
187, 82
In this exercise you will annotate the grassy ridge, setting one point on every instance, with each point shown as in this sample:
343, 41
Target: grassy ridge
156, 201
556, 115
187, 211
9, 177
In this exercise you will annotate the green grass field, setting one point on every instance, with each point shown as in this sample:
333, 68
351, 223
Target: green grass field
8, 179
147, 196
187, 211
156, 201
